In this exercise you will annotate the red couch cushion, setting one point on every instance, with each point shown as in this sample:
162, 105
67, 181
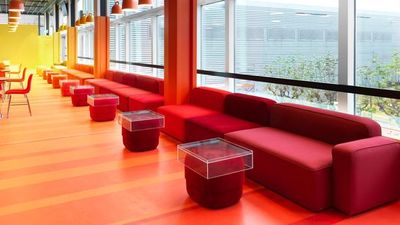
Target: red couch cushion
145, 101
209, 98
129, 79
124, 94
109, 74
247, 107
147, 83
176, 118
216, 125
118, 76
108, 87
295, 166
324, 125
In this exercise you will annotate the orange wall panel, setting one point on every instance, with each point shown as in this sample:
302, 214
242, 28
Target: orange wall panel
180, 49
101, 47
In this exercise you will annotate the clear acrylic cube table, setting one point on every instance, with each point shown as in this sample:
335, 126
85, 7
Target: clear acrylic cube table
103, 107
214, 171
141, 129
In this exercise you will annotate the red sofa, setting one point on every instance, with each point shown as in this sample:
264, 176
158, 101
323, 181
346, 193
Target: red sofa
203, 101
81, 72
320, 158
135, 91
317, 158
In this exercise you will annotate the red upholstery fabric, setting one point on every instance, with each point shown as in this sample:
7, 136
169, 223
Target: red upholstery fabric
118, 76
79, 99
324, 125
109, 75
84, 68
216, 125
49, 76
124, 94
148, 83
109, 87
56, 80
247, 107
217, 192
366, 174
129, 79
102, 113
176, 118
145, 101
138, 141
209, 98
294, 166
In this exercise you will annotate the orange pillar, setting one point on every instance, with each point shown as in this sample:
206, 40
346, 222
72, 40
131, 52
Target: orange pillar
101, 51
180, 49
71, 46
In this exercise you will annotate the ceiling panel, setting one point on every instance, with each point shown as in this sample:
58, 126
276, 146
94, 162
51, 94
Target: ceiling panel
32, 7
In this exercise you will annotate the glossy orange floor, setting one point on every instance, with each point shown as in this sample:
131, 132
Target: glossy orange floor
58, 167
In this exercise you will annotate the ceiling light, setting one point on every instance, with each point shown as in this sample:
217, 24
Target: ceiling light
129, 5
16, 5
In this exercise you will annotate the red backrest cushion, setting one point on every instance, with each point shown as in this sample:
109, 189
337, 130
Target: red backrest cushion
129, 79
109, 74
247, 107
118, 76
324, 125
208, 98
84, 68
161, 86
147, 83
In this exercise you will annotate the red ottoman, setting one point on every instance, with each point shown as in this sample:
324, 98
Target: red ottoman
214, 171
141, 129
65, 86
79, 94
50, 75
55, 79
102, 106
45, 72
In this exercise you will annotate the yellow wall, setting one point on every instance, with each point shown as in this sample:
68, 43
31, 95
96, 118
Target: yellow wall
25, 46
56, 47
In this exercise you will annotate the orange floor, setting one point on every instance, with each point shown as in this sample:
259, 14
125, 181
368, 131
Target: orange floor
58, 167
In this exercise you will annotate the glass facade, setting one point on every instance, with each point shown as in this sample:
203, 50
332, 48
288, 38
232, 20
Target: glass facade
138, 37
299, 40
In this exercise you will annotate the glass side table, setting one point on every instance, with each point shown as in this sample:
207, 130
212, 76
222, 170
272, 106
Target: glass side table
102, 107
214, 171
141, 129
79, 94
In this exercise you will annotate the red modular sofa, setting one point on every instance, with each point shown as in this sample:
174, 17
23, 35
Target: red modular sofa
81, 72
317, 158
135, 91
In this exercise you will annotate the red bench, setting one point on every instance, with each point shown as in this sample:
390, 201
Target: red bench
80, 72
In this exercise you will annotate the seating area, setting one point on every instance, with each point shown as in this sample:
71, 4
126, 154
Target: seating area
192, 112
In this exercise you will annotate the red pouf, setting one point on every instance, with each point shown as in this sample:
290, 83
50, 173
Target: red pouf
56, 80
79, 94
49, 78
218, 192
65, 86
103, 113
142, 140
79, 100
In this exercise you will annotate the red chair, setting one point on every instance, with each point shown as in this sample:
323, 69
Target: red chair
24, 92
16, 80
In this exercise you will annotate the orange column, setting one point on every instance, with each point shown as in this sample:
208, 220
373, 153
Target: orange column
180, 49
101, 51
71, 46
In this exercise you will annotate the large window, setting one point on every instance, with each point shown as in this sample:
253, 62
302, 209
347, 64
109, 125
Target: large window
301, 40
138, 38
378, 59
85, 33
